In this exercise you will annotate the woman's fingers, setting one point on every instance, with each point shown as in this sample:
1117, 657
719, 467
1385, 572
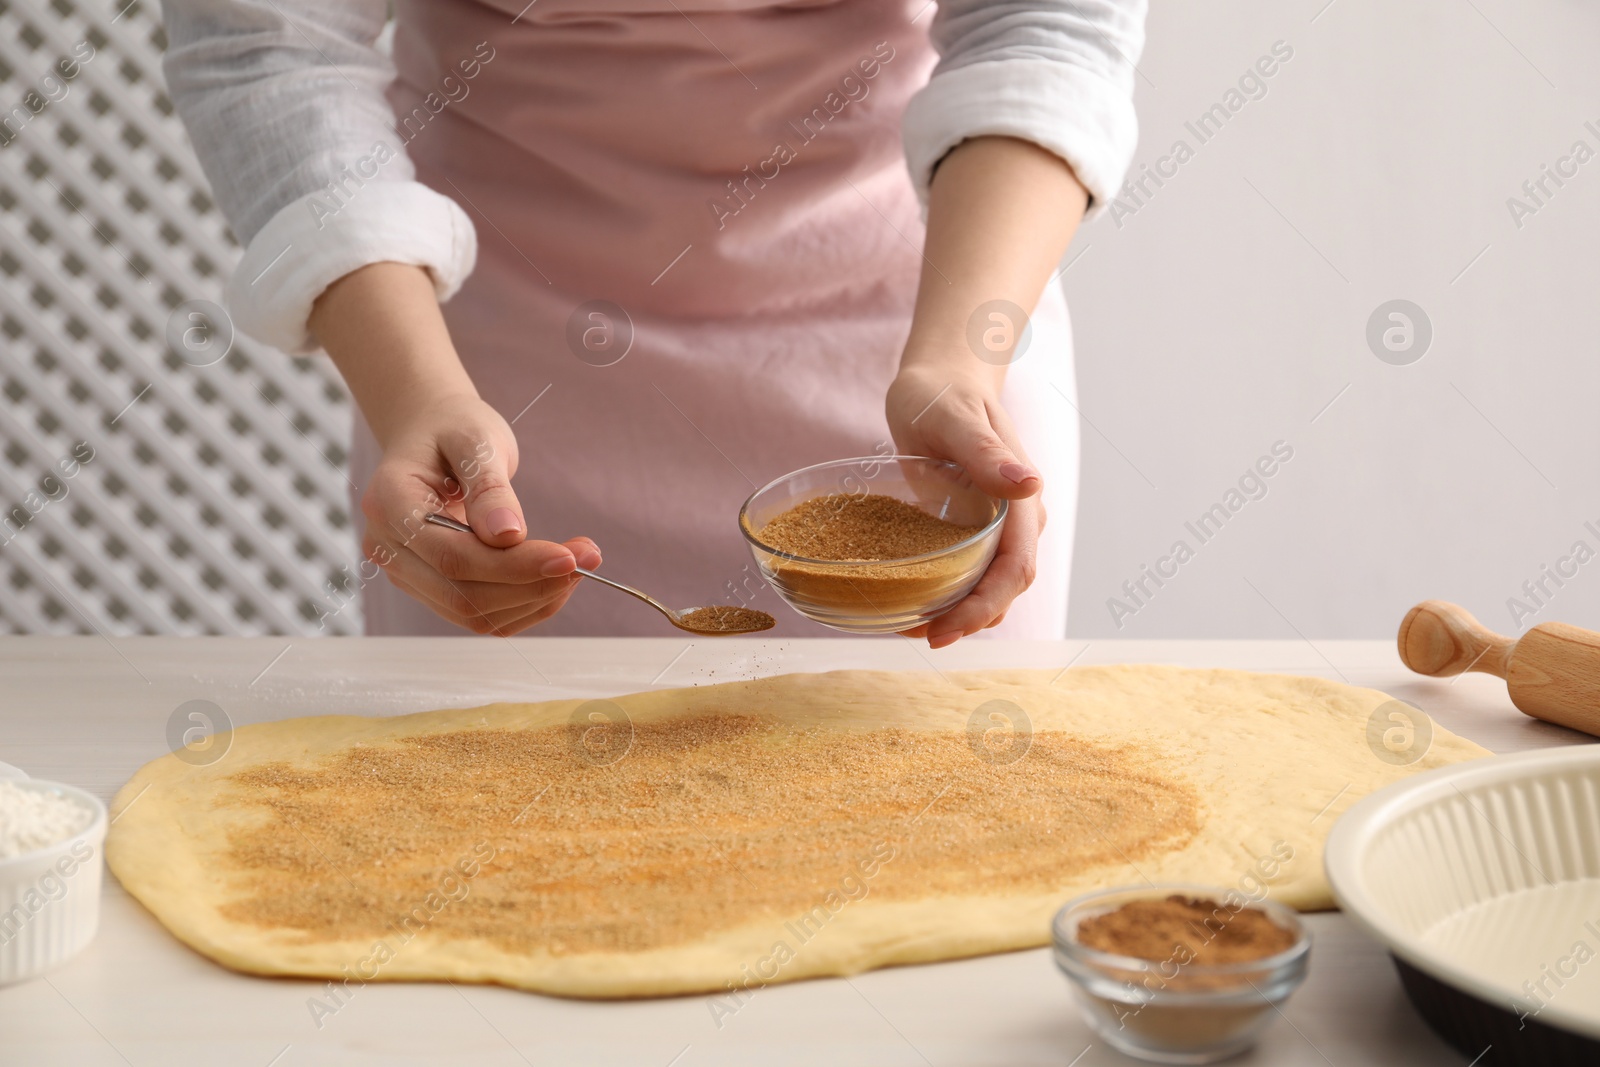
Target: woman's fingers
484, 469
474, 604
463, 558
468, 598
474, 585
471, 608
514, 621
1009, 575
458, 457
965, 423
397, 504
974, 432
508, 624
399, 560
585, 551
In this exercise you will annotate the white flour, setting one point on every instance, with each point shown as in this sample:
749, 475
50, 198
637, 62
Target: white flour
31, 820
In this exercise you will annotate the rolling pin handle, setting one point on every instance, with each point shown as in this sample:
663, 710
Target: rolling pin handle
1440, 639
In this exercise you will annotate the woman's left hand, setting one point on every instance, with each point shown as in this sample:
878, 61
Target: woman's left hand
958, 417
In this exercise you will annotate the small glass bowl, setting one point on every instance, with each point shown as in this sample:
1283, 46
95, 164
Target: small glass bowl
1167, 1011
879, 596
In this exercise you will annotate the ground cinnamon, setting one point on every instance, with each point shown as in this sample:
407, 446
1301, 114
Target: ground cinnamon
1182, 935
1193, 931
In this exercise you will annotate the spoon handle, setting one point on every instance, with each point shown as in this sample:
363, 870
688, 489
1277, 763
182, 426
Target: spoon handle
440, 519
630, 590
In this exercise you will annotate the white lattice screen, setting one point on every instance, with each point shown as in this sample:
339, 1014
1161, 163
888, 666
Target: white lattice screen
215, 500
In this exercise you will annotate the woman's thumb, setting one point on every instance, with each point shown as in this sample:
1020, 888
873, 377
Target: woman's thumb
493, 511
995, 468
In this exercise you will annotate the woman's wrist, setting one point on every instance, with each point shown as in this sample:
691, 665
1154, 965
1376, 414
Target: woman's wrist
382, 327
937, 366
1000, 213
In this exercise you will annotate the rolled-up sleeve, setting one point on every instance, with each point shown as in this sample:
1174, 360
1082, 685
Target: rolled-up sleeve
1058, 74
284, 101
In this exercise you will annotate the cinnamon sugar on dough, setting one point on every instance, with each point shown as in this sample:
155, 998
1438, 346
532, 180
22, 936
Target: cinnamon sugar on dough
733, 835
708, 820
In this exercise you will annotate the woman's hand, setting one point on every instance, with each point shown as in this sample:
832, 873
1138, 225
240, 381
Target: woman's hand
457, 455
967, 425
444, 449
1000, 214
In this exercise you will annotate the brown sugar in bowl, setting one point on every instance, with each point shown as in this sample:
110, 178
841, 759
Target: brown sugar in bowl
875, 544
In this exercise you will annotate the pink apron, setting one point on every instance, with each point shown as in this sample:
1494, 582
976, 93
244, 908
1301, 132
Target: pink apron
730, 176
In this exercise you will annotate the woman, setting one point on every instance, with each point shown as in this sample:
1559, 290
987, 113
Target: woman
699, 264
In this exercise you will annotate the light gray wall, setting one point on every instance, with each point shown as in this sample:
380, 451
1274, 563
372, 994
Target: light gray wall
1230, 307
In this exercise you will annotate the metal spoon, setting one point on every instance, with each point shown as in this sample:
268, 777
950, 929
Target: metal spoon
718, 620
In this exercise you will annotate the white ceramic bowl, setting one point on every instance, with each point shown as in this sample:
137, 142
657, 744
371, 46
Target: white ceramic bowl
1483, 880
50, 898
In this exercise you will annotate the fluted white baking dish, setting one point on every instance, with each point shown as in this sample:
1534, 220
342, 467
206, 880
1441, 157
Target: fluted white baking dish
50, 898
1483, 880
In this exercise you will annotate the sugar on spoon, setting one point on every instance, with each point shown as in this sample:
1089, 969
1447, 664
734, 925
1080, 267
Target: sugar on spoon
718, 620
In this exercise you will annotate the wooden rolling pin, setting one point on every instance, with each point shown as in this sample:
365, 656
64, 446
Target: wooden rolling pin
1552, 671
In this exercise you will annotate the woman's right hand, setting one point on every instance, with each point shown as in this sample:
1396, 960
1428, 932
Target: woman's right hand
457, 456
444, 449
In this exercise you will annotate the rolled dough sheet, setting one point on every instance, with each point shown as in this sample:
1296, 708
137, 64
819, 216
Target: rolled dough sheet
721, 838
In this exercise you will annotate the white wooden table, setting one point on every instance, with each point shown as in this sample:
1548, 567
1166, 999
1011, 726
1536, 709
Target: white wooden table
90, 711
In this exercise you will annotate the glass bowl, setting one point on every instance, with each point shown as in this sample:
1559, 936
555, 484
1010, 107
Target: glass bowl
878, 596
1170, 1011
